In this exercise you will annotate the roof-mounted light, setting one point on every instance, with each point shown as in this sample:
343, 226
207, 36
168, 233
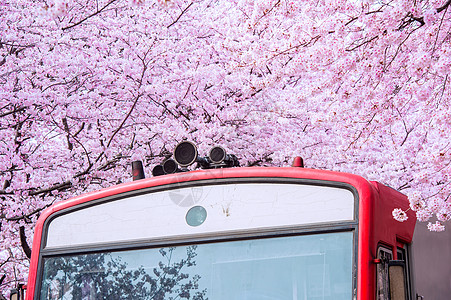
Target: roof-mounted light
298, 162
137, 170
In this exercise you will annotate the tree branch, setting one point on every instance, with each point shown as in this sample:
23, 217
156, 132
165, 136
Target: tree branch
312, 41
440, 26
363, 43
267, 11
70, 146
58, 186
421, 19
23, 242
13, 111
90, 16
125, 119
133, 106
178, 18
444, 6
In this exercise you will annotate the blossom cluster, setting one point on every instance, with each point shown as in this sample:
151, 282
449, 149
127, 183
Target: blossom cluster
399, 215
437, 226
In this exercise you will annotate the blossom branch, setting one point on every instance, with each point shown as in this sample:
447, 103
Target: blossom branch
125, 119
90, 16
362, 43
178, 18
23, 242
439, 27
444, 6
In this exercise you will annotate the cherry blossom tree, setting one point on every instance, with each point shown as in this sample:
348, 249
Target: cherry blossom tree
87, 86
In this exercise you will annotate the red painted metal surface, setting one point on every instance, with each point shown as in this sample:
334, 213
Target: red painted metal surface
376, 202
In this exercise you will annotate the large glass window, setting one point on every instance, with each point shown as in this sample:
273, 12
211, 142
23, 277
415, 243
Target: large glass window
227, 207
315, 266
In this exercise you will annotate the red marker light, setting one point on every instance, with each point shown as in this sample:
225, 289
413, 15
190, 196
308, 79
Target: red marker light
298, 162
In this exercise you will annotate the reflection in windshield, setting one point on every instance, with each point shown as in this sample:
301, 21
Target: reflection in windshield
111, 276
300, 267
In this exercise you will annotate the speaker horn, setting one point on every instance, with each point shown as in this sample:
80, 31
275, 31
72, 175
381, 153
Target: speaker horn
220, 158
185, 154
170, 166
158, 170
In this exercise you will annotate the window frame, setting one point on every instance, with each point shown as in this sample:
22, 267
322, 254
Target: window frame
208, 238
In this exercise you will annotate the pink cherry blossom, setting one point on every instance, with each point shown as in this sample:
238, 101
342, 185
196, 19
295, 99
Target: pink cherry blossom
399, 215
424, 215
437, 226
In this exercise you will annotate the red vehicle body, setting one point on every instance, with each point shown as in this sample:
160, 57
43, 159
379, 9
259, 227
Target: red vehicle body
372, 228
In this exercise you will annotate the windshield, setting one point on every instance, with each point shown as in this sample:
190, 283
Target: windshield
315, 266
